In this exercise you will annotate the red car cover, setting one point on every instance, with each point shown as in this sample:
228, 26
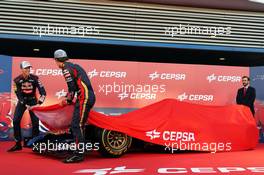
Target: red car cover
174, 124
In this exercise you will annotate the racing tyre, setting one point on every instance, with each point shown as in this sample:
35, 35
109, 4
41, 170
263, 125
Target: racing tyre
112, 143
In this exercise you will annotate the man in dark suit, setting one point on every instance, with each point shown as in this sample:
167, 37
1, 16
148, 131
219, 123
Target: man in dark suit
246, 95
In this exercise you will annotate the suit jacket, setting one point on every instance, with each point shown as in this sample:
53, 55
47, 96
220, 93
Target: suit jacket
247, 99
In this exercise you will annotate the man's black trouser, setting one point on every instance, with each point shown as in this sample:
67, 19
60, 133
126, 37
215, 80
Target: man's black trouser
19, 111
80, 116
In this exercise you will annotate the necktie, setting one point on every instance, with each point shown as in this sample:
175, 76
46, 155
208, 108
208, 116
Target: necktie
244, 92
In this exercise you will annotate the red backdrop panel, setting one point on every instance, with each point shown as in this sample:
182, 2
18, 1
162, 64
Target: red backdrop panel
122, 84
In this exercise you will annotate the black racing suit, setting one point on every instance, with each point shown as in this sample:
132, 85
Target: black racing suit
25, 89
78, 82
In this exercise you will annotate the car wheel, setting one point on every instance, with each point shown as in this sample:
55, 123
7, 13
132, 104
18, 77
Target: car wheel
113, 143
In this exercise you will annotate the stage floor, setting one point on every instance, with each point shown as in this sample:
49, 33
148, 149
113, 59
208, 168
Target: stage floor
26, 162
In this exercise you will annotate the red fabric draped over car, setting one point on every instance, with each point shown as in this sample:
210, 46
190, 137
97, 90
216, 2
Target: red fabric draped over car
171, 123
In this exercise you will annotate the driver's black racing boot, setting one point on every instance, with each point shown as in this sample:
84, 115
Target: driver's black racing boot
74, 158
16, 147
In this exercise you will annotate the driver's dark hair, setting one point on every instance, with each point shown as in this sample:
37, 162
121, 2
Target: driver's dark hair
246, 77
